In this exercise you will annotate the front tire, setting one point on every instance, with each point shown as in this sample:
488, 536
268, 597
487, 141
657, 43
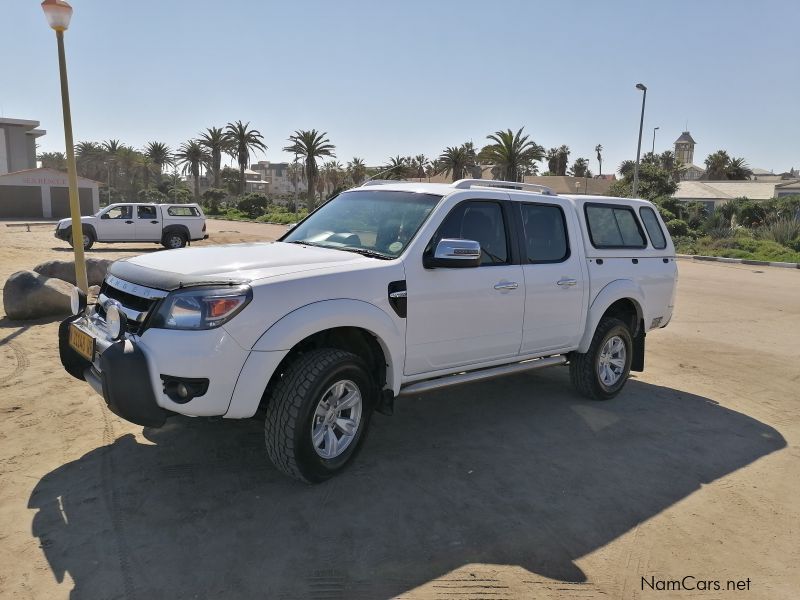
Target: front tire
88, 240
318, 414
601, 373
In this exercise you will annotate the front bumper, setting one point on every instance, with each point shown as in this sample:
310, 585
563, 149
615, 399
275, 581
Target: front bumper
61, 234
123, 379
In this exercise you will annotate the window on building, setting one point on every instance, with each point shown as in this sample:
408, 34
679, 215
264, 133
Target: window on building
653, 227
613, 226
545, 233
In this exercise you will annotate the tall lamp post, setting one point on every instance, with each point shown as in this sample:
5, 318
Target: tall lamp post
653, 151
643, 87
58, 14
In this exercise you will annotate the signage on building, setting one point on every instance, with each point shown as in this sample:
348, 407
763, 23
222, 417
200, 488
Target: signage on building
44, 180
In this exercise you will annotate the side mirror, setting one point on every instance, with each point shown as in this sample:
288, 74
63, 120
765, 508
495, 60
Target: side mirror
453, 253
105, 216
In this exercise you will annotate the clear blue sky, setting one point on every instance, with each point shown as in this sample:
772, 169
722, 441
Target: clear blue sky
415, 76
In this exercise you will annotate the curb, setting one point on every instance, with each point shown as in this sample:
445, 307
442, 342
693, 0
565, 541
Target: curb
739, 261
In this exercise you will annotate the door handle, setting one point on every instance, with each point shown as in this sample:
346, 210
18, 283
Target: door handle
129, 222
506, 285
567, 282
154, 222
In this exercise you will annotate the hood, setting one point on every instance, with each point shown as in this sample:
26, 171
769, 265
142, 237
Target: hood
237, 263
62, 223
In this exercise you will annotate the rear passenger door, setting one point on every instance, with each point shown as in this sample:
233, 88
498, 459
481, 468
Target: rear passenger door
553, 273
148, 225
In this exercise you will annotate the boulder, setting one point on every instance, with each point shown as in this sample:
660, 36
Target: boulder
65, 269
29, 295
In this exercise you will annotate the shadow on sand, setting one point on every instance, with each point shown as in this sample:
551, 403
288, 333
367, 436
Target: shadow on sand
518, 471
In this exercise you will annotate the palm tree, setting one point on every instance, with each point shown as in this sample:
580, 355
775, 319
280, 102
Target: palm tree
563, 159
717, 165
161, 156
454, 159
552, 161
512, 152
580, 168
599, 149
53, 160
112, 148
240, 141
192, 155
214, 140
434, 168
125, 160
738, 169
311, 145
420, 163
626, 168
357, 170
144, 167
397, 168
332, 172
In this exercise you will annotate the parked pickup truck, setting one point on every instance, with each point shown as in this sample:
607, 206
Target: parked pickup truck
172, 225
389, 289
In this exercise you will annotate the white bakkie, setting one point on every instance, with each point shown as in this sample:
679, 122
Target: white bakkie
389, 289
171, 225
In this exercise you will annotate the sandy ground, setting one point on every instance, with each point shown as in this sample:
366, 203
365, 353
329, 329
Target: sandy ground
509, 489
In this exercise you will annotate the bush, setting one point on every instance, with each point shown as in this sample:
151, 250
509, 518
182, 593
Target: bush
253, 205
783, 231
739, 246
678, 227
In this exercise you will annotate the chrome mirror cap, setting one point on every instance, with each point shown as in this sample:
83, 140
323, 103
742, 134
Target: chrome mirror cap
454, 253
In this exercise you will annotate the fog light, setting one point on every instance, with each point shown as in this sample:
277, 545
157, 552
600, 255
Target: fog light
77, 301
183, 389
115, 320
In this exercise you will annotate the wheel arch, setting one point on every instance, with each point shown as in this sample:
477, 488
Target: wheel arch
183, 229
622, 298
351, 325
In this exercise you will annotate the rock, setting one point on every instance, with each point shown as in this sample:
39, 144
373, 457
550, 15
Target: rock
65, 269
29, 295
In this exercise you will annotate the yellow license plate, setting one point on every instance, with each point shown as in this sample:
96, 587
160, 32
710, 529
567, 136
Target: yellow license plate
81, 342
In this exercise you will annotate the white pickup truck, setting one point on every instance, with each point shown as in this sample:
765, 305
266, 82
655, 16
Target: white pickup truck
386, 290
172, 225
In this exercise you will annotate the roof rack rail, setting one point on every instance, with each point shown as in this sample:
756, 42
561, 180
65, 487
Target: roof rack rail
381, 182
491, 183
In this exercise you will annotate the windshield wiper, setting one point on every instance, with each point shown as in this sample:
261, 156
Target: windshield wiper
365, 252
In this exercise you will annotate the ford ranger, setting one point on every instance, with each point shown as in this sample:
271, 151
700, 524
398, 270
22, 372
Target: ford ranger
389, 289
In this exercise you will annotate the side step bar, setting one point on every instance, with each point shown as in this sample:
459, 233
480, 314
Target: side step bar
480, 375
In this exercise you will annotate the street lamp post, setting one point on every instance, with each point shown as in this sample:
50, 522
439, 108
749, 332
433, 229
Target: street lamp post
58, 14
653, 151
639, 86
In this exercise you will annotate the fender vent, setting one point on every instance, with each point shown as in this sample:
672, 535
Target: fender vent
398, 298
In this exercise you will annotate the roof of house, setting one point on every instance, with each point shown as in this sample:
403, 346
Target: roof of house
685, 137
725, 190
572, 185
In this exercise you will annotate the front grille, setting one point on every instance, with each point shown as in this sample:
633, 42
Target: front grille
132, 304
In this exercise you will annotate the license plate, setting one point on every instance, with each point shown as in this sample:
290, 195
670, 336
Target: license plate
81, 342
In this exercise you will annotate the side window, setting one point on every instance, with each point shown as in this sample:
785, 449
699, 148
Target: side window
120, 212
653, 227
182, 211
613, 226
146, 212
482, 222
545, 233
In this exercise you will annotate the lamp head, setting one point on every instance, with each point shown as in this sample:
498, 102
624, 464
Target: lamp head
641, 86
58, 13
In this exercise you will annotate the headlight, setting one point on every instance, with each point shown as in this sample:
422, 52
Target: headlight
116, 320
201, 307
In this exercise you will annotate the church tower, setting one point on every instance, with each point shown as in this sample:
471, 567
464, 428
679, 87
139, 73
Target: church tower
684, 149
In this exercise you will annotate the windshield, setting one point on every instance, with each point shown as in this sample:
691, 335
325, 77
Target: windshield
369, 221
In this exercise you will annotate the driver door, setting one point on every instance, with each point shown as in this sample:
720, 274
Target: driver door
117, 224
459, 316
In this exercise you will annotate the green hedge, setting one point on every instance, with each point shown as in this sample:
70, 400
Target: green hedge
740, 246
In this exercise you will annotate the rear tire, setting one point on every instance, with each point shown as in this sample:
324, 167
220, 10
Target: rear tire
173, 240
307, 436
601, 373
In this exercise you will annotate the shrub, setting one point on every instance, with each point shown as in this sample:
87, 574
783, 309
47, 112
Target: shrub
678, 227
253, 205
783, 231
212, 198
